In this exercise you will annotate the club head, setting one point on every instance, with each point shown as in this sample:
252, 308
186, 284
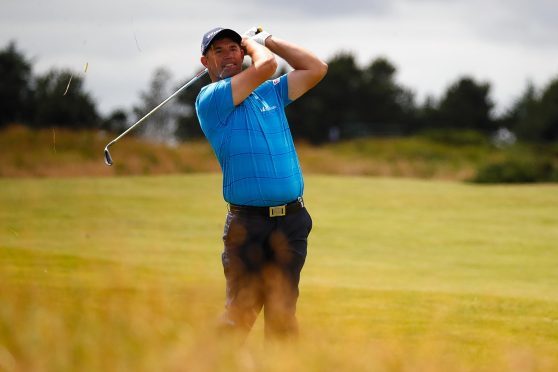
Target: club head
108, 158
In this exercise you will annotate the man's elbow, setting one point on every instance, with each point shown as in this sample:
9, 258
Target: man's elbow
319, 70
268, 66
322, 69
273, 65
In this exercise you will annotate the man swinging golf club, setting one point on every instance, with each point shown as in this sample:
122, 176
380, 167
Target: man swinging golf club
242, 115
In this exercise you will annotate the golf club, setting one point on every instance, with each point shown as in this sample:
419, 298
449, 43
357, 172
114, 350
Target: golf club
108, 158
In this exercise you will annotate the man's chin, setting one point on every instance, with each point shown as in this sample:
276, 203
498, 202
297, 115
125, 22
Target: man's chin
228, 73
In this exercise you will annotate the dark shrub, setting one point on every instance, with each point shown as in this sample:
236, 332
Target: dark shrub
517, 170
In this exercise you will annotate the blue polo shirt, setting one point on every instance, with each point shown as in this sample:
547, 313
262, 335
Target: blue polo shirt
252, 142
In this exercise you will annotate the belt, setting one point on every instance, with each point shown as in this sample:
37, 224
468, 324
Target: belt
276, 211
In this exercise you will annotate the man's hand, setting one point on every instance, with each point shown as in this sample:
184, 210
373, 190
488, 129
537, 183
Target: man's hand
258, 35
262, 68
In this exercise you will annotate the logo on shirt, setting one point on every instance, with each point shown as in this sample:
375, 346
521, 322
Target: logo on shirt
267, 108
264, 106
276, 81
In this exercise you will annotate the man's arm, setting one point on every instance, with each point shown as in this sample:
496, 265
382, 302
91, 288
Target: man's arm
308, 68
263, 67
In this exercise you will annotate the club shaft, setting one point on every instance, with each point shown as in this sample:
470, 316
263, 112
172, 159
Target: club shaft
108, 158
192, 81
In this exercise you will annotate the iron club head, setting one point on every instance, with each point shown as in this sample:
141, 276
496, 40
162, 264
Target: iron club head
108, 158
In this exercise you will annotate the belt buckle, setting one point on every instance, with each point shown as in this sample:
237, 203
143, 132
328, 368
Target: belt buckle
278, 211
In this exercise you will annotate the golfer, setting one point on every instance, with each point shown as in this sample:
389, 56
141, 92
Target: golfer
242, 115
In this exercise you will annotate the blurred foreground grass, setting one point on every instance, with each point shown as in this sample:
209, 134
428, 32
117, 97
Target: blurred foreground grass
124, 274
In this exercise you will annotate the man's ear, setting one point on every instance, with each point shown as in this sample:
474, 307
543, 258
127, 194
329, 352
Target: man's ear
204, 61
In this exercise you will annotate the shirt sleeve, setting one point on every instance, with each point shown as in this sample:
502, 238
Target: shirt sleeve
281, 86
214, 104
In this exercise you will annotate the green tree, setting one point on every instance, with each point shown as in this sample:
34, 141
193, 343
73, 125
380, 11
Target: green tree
383, 104
116, 121
330, 105
60, 100
534, 116
548, 108
354, 102
466, 105
427, 115
519, 117
188, 124
15, 87
161, 126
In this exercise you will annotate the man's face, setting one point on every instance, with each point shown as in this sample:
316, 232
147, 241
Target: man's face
223, 59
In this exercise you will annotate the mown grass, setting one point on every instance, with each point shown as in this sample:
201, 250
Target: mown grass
123, 274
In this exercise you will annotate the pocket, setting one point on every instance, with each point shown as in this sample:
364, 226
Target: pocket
235, 232
227, 225
309, 220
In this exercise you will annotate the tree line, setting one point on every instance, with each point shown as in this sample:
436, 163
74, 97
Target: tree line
352, 101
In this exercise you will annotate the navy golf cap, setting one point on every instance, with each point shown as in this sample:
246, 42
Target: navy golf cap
218, 32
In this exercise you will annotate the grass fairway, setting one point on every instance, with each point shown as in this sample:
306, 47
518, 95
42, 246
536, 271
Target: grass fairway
124, 274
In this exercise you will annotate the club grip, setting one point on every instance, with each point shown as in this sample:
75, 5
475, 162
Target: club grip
258, 30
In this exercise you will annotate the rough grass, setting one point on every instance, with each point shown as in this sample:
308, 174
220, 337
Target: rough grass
57, 152
64, 153
417, 157
122, 274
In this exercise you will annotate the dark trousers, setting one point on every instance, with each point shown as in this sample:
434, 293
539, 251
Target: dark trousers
262, 260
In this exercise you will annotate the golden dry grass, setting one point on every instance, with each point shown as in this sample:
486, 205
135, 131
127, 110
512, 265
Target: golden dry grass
63, 153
